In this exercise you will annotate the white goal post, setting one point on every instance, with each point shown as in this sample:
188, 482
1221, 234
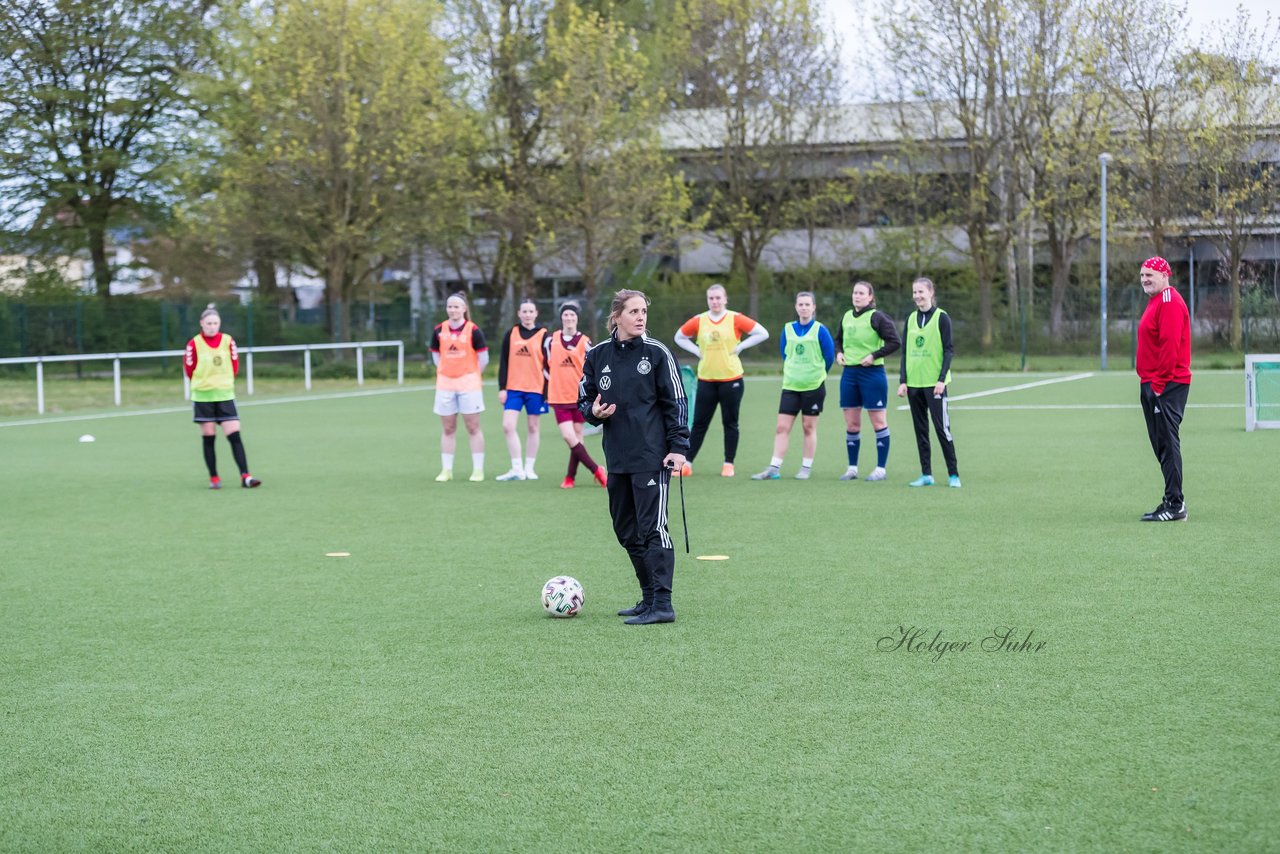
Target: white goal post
1262, 391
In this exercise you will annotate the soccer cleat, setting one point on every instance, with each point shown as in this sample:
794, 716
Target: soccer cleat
804, 473
727, 470
851, 473
649, 616
1165, 513
476, 476
954, 481
922, 480
686, 470
444, 476
248, 481
771, 473
508, 475
635, 610
215, 483
529, 475
567, 483
601, 476
876, 474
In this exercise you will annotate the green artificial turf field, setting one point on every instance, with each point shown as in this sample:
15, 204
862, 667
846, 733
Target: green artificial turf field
184, 669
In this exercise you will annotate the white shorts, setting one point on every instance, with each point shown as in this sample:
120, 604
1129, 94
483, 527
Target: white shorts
455, 402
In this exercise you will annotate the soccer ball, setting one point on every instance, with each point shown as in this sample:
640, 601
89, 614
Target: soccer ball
562, 596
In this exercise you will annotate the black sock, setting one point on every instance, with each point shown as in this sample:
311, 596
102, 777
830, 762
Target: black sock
210, 455
237, 450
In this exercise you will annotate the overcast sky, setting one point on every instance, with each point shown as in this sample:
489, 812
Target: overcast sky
851, 20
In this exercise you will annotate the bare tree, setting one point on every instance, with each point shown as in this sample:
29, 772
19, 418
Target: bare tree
761, 79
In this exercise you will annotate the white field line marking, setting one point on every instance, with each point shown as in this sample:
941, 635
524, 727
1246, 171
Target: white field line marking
63, 419
1008, 388
1046, 406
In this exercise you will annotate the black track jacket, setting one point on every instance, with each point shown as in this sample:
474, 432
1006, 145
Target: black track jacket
642, 378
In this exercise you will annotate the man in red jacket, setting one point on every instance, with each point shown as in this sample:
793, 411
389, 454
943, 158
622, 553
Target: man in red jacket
1164, 369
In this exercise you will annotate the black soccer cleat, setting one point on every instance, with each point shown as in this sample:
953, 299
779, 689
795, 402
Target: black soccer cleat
635, 610
652, 615
248, 481
1165, 513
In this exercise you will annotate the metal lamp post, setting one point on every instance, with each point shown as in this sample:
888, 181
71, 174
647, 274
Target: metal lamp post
1103, 160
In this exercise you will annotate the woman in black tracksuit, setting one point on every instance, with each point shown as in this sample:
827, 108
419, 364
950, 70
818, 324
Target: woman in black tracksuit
631, 384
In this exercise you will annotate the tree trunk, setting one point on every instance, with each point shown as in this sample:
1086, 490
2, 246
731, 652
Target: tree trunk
264, 270
1236, 333
97, 235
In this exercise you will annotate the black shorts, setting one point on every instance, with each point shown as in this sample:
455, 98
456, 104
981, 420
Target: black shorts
216, 411
802, 402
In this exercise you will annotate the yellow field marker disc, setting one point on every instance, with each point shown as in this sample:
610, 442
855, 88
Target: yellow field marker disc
337, 554
713, 557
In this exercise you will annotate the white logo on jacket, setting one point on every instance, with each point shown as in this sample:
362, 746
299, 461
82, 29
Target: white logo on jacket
644, 367
605, 382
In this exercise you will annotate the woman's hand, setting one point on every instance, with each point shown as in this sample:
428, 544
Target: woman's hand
602, 410
902, 390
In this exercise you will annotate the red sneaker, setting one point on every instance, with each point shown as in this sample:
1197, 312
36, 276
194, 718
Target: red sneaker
215, 483
601, 476
567, 483
248, 481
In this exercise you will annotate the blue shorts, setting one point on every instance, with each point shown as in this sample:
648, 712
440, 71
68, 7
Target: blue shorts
530, 401
863, 387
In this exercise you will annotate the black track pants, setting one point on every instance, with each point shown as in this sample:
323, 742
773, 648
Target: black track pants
638, 505
1163, 413
923, 406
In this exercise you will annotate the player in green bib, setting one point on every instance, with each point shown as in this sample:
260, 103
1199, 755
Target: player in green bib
808, 352
864, 338
211, 364
926, 370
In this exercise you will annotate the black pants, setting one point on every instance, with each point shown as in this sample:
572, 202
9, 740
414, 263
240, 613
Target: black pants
924, 405
638, 505
1163, 413
728, 396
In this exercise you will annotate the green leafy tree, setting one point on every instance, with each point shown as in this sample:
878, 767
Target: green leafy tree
1061, 124
613, 192
1234, 80
94, 108
337, 130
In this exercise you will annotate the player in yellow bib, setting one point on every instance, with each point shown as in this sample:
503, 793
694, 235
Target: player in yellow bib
716, 337
211, 364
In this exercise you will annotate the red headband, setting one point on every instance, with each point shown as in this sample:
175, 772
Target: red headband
1158, 264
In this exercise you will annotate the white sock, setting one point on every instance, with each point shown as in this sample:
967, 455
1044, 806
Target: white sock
775, 462
806, 462
477, 461
528, 464
516, 465
446, 462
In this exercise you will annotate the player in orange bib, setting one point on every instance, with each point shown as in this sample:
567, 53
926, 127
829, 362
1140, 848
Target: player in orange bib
565, 352
211, 363
460, 354
522, 384
716, 337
